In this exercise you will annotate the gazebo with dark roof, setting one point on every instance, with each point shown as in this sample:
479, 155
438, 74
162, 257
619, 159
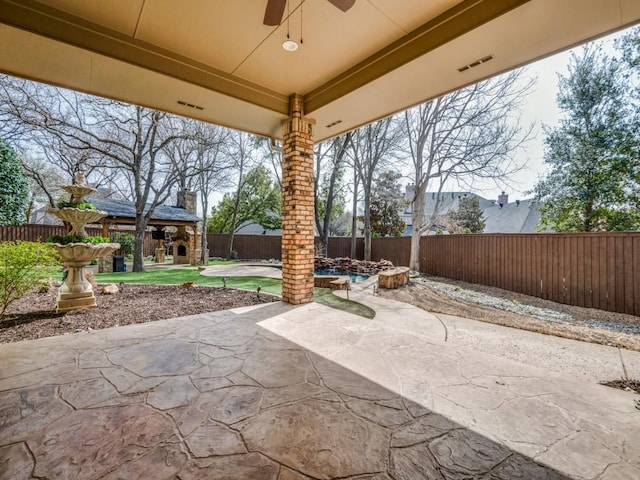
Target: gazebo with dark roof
123, 212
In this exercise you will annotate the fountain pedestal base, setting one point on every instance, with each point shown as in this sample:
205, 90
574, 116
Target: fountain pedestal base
76, 292
75, 301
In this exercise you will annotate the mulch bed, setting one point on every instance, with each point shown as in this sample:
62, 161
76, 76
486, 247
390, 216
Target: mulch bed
33, 316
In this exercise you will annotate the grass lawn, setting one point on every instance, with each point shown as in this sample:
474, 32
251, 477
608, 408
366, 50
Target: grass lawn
326, 297
178, 276
169, 261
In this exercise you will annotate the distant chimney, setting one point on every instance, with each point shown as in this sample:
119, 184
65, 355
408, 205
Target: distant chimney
409, 192
187, 200
517, 203
503, 199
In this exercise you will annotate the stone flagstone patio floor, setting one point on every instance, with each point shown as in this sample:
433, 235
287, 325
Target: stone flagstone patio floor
290, 393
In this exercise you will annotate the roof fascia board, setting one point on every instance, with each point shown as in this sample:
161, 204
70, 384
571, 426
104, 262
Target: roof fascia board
453, 23
62, 27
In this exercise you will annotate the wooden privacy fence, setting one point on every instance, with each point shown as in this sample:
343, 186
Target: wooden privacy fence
266, 247
249, 247
33, 232
395, 249
593, 270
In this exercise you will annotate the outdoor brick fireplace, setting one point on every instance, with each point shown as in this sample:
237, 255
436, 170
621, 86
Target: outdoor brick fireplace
186, 247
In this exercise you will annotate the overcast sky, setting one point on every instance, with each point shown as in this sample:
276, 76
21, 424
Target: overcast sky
540, 108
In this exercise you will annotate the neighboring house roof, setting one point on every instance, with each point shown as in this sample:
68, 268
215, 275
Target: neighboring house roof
41, 216
450, 201
521, 216
124, 209
256, 229
512, 217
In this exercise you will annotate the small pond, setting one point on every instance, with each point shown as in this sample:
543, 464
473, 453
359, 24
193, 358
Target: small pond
353, 277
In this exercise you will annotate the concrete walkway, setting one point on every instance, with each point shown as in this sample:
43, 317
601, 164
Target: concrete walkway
291, 393
242, 270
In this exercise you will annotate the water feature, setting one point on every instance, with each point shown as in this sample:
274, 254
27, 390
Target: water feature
353, 277
76, 291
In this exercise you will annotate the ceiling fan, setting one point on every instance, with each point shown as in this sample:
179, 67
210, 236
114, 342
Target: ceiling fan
275, 10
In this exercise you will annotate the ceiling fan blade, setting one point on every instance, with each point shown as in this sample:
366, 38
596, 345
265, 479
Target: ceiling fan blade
273, 13
343, 5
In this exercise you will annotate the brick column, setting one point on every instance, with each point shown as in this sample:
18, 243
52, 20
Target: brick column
297, 206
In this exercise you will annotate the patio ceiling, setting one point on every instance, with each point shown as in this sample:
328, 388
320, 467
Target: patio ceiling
217, 62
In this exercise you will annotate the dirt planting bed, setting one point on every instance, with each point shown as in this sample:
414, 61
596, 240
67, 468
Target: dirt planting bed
438, 295
33, 316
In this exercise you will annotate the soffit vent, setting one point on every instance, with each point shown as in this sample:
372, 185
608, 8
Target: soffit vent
190, 105
476, 63
332, 124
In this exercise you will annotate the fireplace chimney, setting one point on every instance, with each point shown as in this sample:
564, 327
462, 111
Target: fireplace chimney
187, 200
503, 199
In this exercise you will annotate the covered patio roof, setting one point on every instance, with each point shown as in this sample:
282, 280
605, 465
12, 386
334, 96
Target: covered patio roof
218, 62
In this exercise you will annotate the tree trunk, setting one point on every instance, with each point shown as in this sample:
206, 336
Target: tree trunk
234, 219
205, 244
417, 222
588, 213
29, 211
367, 226
324, 233
354, 220
230, 245
138, 249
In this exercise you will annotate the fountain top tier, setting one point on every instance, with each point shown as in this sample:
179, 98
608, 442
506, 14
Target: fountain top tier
78, 189
78, 217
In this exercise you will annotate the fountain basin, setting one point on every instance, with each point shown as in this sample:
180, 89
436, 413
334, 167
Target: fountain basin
77, 218
84, 252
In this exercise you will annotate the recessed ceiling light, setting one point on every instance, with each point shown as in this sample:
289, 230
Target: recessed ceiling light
290, 45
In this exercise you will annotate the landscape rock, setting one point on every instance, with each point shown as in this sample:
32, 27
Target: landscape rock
110, 289
348, 265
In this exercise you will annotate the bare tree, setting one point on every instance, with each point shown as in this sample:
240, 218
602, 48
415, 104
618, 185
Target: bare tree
330, 162
125, 139
242, 148
212, 166
373, 147
270, 152
468, 134
44, 182
354, 213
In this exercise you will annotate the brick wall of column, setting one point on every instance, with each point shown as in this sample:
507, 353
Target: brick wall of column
297, 207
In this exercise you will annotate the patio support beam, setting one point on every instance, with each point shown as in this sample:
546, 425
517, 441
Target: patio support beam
297, 205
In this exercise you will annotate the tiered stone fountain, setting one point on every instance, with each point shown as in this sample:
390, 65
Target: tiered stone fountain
76, 291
